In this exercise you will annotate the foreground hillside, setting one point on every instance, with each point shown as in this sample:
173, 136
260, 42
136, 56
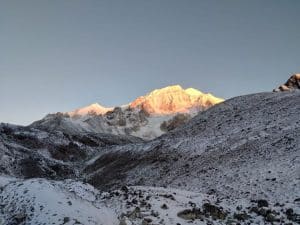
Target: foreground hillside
245, 148
239, 148
235, 163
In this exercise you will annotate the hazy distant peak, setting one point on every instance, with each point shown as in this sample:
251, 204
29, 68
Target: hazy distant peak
94, 108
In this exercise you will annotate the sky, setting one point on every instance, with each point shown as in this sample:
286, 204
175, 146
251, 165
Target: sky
58, 55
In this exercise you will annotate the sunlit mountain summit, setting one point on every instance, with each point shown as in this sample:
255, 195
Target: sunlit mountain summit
147, 117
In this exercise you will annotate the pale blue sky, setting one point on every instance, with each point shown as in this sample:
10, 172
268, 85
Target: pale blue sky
57, 55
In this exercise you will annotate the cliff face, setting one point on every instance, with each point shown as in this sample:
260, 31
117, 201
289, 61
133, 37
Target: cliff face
174, 99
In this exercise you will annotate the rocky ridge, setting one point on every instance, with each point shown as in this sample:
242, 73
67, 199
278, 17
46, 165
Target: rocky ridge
293, 83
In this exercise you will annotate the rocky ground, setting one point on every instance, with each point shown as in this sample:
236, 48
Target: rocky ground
41, 201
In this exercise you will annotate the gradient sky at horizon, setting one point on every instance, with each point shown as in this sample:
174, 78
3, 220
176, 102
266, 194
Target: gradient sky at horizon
59, 55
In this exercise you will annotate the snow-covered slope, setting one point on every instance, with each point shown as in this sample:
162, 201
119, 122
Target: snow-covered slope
39, 201
141, 118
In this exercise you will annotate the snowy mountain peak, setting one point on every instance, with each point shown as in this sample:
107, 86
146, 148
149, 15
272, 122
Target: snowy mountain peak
193, 91
147, 117
168, 100
174, 99
94, 108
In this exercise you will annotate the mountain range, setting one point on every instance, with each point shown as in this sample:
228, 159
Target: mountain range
146, 117
231, 162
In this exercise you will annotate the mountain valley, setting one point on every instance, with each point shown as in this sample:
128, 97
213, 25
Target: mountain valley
175, 156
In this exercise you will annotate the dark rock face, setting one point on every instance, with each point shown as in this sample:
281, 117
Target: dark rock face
214, 211
291, 215
191, 214
69, 152
293, 83
110, 167
262, 203
241, 216
31, 168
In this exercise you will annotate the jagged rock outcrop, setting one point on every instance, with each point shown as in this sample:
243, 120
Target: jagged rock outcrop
293, 83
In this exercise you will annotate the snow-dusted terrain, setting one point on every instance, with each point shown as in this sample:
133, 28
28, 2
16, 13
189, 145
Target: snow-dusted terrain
42, 201
39, 201
245, 148
238, 148
235, 163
